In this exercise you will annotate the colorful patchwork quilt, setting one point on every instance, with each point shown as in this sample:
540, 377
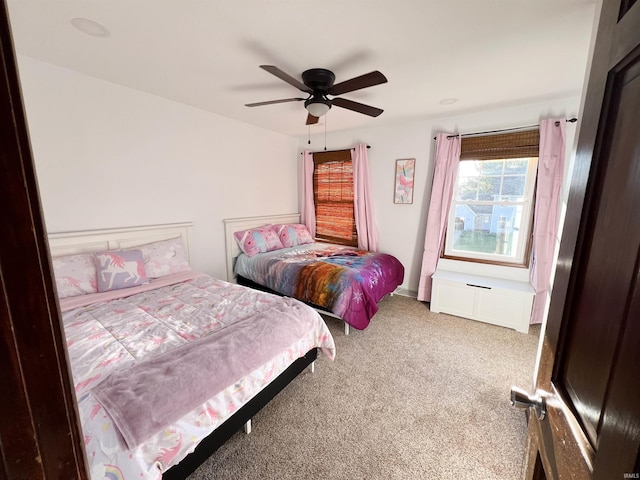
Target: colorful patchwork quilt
344, 280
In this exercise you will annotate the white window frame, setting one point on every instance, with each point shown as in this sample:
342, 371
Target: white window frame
526, 223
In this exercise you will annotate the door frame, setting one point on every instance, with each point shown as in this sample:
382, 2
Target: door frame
40, 435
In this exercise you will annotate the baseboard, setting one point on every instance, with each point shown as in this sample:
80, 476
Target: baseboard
405, 292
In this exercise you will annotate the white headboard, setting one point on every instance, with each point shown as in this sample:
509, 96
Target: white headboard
87, 241
232, 225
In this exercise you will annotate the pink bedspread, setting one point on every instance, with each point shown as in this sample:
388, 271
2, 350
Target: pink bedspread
144, 399
109, 337
70, 303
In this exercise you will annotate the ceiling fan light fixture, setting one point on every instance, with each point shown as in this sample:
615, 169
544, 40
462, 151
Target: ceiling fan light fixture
317, 106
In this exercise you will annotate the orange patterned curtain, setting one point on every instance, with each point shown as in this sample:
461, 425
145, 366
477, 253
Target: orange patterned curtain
333, 196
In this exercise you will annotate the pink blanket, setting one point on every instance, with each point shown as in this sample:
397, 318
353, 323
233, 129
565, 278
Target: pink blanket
145, 398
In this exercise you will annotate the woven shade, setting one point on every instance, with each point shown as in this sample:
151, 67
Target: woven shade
333, 196
504, 145
334, 156
334, 223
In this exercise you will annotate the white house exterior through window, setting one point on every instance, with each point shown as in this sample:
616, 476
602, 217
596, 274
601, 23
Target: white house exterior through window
491, 211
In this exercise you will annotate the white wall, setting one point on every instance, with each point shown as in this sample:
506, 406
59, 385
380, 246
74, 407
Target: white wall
109, 156
402, 227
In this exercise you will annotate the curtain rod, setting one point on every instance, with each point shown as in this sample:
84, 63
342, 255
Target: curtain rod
330, 151
568, 120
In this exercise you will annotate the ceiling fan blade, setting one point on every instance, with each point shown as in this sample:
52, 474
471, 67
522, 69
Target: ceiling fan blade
363, 81
357, 107
311, 120
286, 77
271, 102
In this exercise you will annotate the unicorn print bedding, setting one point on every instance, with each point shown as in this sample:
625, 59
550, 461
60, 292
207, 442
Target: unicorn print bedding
125, 330
344, 280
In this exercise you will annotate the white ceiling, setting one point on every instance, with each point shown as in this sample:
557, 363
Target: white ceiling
206, 53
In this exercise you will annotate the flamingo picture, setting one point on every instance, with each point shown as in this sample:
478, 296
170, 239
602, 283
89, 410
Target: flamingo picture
405, 170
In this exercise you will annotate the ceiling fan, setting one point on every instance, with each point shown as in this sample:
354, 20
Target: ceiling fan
318, 83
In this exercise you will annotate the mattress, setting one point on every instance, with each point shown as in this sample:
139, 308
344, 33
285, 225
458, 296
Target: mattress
129, 328
344, 280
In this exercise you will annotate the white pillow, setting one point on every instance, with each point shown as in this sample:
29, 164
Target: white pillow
164, 257
75, 275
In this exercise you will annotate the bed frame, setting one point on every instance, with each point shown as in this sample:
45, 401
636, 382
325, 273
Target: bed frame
232, 225
87, 241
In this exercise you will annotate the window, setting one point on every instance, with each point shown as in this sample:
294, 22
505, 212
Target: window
333, 197
492, 206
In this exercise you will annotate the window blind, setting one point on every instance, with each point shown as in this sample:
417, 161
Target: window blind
499, 146
333, 196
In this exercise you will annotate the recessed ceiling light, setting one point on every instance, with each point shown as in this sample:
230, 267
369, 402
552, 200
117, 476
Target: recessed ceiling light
89, 27
447, 101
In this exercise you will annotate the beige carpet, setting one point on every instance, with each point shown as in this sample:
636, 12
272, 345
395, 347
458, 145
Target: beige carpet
416, 395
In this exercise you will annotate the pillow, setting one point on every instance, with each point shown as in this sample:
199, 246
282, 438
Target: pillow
120, 269
258, 240
164, 257
293, 234
75, 275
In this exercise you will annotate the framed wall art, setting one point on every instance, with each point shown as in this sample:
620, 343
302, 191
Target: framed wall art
405, 172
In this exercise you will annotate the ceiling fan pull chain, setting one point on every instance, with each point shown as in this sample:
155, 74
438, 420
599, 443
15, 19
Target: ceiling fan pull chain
325, 132
309, 137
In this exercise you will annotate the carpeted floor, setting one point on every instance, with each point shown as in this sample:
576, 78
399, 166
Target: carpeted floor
416, 395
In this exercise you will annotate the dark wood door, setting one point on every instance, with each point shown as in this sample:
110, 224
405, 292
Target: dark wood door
589, 367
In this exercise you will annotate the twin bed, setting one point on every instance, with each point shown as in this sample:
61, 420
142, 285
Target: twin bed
342, 282
168, 363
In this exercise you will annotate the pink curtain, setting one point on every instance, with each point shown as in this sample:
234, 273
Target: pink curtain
363, 212
546, 216
444, 176
307, 206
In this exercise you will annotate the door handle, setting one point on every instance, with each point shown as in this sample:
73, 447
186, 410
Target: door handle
522, 399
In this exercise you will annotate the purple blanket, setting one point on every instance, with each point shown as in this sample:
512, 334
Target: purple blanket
144, 399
